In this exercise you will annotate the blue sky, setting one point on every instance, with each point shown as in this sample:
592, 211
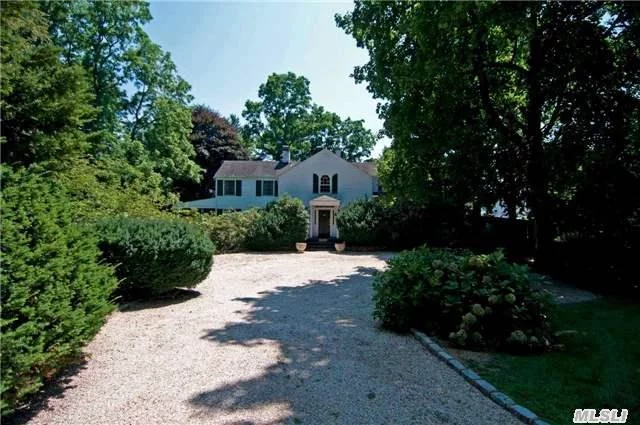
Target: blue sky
226, 50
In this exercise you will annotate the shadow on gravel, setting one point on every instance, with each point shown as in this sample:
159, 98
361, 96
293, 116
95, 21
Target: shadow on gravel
55, 388
175, 296
323, 330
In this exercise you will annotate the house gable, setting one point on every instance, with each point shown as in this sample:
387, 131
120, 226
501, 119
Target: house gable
301, 180
327, 152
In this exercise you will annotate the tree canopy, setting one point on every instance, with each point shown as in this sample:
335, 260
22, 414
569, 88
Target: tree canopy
215, 139
45, 104
533, 104
139, 97
286, 115
89, 99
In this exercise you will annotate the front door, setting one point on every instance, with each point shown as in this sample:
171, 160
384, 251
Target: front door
324, 223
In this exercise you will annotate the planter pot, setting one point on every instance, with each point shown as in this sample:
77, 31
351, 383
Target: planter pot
301, 246
340, 246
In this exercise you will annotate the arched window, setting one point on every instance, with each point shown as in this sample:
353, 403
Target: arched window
325, 184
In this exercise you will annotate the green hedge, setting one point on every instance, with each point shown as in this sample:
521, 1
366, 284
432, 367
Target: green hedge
55, 294
362, 223
374, 222
229, 231
153, 256
279, 226
476, 301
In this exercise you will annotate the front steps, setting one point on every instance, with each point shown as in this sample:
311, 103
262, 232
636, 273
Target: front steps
321, 245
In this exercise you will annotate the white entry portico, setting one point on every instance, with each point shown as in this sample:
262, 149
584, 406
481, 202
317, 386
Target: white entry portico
322, 217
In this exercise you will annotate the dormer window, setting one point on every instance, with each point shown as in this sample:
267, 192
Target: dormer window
325, 184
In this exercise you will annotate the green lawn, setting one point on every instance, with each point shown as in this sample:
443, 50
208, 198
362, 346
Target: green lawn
599, 367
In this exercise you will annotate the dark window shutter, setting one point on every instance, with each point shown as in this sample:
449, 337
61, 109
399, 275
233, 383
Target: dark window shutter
238, 187
258, 187
219, 191
275, 188
334, 184
315, 183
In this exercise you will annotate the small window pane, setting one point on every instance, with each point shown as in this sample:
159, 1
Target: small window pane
229, 187
325, 184
267, 187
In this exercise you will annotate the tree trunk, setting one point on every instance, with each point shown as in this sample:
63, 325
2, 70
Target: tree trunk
476, 219
536, 168
512, 210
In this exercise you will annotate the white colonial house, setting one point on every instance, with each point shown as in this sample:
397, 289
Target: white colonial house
324, 182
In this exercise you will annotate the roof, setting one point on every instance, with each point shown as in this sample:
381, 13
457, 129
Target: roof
273, 168
367, 167
252, 168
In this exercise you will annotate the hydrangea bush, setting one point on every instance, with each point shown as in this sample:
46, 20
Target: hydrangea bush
476, 301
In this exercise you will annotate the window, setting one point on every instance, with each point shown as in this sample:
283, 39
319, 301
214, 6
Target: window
229, 188
377, 188
267, 188
325, 184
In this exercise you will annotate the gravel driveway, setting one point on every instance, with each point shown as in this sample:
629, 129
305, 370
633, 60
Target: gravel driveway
272, 339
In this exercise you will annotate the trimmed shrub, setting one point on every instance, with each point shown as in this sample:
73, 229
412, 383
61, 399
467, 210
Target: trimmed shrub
361, 223
372, 222
229, 231
55, 294
279, 226
476, 301
154, 256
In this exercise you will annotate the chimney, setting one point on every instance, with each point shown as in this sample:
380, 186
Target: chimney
286, 155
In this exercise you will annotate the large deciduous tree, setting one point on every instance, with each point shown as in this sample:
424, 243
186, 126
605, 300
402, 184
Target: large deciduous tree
285, 115
46, 124
100, 36
528, 103
280, 117
215, 140
138, 94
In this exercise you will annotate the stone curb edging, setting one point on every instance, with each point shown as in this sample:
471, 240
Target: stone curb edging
474, 379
